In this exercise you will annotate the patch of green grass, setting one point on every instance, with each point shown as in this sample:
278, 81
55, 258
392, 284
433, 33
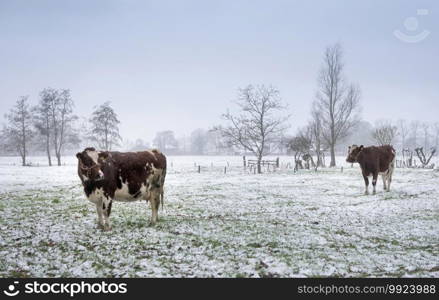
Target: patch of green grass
19, 274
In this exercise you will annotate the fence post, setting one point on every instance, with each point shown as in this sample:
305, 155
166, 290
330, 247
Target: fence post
243, 159
199, 169
225, 170
277, 162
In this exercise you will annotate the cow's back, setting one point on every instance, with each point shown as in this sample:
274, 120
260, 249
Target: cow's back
136, 173
376, 159
386, 157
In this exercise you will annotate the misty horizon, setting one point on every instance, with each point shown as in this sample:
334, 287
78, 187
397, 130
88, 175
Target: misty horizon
164, 70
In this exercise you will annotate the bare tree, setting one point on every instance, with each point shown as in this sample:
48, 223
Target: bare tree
425, 160
18, 132
316, 129
198, 141
337, 102
404, 132
259, 126
42, 114
385, 133
105, 127
165, 141
301, 145
62, 118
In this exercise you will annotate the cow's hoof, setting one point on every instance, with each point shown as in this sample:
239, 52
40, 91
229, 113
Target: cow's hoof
152, 224
107, 228
100, 226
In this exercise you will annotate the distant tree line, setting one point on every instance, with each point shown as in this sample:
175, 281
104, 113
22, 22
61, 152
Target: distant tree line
48, 125
52, 126
258, 126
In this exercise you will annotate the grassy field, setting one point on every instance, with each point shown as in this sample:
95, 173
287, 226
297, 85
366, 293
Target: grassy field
237, 224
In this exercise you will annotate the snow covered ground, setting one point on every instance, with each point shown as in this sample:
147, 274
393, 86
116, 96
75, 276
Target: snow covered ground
222, 225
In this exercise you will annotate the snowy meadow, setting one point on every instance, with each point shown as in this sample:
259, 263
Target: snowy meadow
238, 224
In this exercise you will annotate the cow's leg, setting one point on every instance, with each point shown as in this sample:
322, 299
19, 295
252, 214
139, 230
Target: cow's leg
385, 177
106, 209
389, 177
155, 202
100, 214
374, 182
366, 182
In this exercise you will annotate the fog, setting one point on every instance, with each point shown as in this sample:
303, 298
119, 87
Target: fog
177, 65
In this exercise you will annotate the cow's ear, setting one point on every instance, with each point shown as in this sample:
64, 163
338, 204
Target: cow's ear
104, 155
361, 147
79, 155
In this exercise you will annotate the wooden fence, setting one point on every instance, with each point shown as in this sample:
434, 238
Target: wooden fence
252, 164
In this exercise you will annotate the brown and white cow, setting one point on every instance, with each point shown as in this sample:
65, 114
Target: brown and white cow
121, 176
373, 161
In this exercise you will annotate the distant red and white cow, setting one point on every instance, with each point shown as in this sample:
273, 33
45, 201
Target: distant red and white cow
373, 161
121, 176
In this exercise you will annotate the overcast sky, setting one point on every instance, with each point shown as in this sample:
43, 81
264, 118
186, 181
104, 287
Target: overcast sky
177, 64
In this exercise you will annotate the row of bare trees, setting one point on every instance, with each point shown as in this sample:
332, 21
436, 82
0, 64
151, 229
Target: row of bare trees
257, 125
420, 138
261, 121
199, 142
51, 126
407, 134
48, 125
334, 113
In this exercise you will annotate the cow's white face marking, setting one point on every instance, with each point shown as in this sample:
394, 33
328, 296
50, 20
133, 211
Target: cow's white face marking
352, 149
94, 155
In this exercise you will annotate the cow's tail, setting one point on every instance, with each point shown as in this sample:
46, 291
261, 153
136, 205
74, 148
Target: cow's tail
162, 188
394, 155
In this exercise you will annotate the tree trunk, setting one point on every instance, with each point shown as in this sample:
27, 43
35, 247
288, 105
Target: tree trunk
259, 164
49, 159
23, 128
48, 152
58, 157
333, 164
319, 163
23, 160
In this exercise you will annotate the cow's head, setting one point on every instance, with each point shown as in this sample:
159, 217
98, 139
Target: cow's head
353, 152
90, 164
